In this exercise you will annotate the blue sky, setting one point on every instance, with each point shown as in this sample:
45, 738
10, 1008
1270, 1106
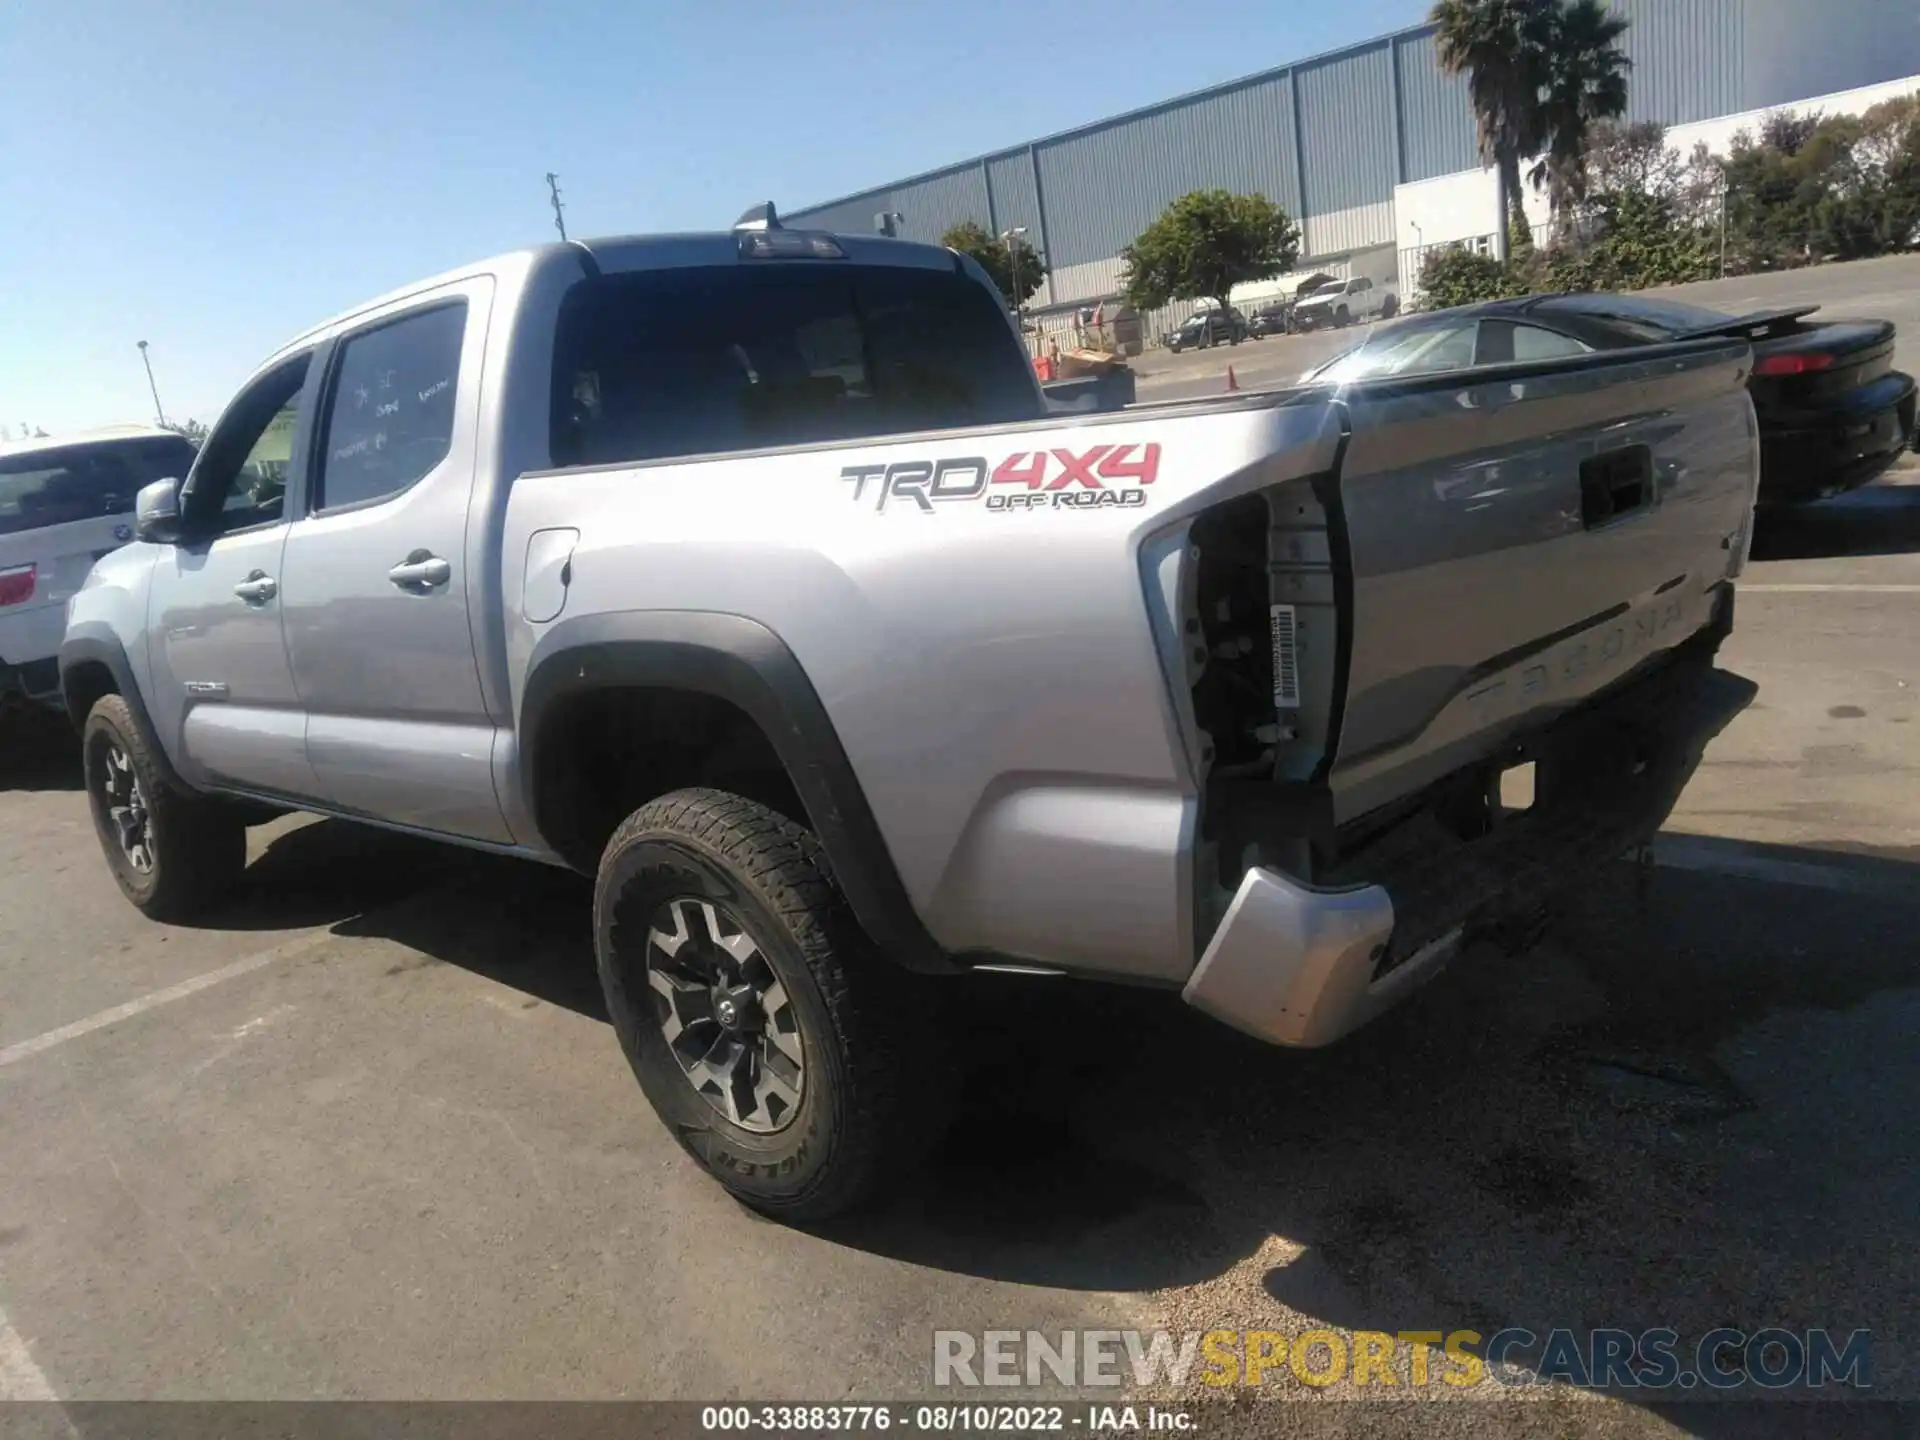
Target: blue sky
214, 177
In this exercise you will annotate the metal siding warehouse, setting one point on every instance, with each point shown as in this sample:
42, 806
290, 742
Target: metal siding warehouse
1328, 138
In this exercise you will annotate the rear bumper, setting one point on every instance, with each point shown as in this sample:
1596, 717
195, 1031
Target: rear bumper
1304, 965
29, 651
1805, 458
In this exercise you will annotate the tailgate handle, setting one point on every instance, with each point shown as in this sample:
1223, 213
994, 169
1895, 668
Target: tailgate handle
1615, 483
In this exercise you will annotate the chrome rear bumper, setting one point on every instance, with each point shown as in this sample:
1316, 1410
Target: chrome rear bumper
1295, 966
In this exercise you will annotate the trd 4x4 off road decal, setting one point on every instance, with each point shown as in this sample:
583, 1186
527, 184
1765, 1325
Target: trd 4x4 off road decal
1045, 480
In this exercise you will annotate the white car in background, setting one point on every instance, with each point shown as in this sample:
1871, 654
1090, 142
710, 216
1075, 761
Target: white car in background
65, 502
1345, 302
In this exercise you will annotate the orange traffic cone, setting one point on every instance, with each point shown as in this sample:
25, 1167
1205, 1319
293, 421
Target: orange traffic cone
1232, 383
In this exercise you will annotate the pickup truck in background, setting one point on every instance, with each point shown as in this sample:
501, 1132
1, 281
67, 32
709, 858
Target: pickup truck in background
1340, 303
748, 574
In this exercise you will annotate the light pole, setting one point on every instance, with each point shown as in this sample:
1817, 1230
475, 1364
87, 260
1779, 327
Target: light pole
1011, 234
1726, 184
158, 414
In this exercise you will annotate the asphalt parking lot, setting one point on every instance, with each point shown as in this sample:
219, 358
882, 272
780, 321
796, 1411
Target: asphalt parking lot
367, 1133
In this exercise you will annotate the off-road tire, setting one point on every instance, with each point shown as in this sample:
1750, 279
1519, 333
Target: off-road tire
877, 1082
196, 845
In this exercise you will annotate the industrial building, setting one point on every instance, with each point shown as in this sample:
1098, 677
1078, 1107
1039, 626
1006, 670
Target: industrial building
1351, 144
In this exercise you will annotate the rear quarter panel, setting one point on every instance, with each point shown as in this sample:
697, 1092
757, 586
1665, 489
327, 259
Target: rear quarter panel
987, 660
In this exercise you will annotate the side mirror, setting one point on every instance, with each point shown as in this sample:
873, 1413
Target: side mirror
156, 511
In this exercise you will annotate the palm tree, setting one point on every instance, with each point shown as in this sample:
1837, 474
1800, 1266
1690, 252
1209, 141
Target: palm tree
1586, 84
1501, 46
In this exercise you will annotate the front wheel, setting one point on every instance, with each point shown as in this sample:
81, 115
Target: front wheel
172, 853
791, 1061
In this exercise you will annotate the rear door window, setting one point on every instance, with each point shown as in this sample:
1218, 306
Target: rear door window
1504, 341
713, 359
84, 482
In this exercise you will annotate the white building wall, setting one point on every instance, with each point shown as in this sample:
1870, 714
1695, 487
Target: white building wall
1358, 227
1464, 207
1719, 133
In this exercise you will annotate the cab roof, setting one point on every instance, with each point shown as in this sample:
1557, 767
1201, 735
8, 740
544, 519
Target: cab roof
99, 434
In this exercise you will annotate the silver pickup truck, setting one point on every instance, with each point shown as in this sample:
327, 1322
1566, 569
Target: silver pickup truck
747, 573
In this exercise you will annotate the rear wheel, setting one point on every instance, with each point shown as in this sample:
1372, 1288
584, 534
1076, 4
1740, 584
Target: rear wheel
171, 853
791, 1061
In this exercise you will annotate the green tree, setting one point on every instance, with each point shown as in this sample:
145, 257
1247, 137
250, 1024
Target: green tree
1630, 157
1794, 194
192, 429
1501, 46
1012, 264
1586, 85
1886, 161
1204, 244
1453, 275
1637, 241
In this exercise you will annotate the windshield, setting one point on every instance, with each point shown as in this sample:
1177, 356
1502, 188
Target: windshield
1642, 318
709, 360
84, 482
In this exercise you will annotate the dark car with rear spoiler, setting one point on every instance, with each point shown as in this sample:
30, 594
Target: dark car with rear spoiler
1833, 412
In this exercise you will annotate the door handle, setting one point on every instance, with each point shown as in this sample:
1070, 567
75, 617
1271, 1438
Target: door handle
258, 588
421, 571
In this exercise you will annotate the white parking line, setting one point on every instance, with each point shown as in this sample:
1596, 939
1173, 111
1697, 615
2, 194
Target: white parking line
25, 1049
20, 1378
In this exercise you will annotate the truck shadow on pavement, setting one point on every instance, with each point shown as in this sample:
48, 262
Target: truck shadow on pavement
38, 751
1689, 1106
1875, 520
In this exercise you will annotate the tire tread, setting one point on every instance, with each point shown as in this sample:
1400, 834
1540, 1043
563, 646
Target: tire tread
200, 844
869, 1001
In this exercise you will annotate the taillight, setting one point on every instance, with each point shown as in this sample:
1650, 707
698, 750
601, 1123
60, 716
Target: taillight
1793, 364
16, 585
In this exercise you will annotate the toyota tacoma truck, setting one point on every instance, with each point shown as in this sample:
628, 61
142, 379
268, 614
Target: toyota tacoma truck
748, 574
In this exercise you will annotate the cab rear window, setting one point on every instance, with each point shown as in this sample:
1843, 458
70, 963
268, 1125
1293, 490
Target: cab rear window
58, 486
707, 360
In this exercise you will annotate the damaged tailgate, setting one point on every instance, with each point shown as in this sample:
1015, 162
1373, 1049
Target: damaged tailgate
1520, 538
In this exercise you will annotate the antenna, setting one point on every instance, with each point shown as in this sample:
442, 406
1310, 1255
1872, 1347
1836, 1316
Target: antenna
553, 193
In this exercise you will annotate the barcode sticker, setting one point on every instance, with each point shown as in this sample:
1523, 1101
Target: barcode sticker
1286, 661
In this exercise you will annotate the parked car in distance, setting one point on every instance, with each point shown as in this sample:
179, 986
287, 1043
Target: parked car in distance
64, 502
1207, 327
750, 575
1345, 302
1833, 412
1269, 319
